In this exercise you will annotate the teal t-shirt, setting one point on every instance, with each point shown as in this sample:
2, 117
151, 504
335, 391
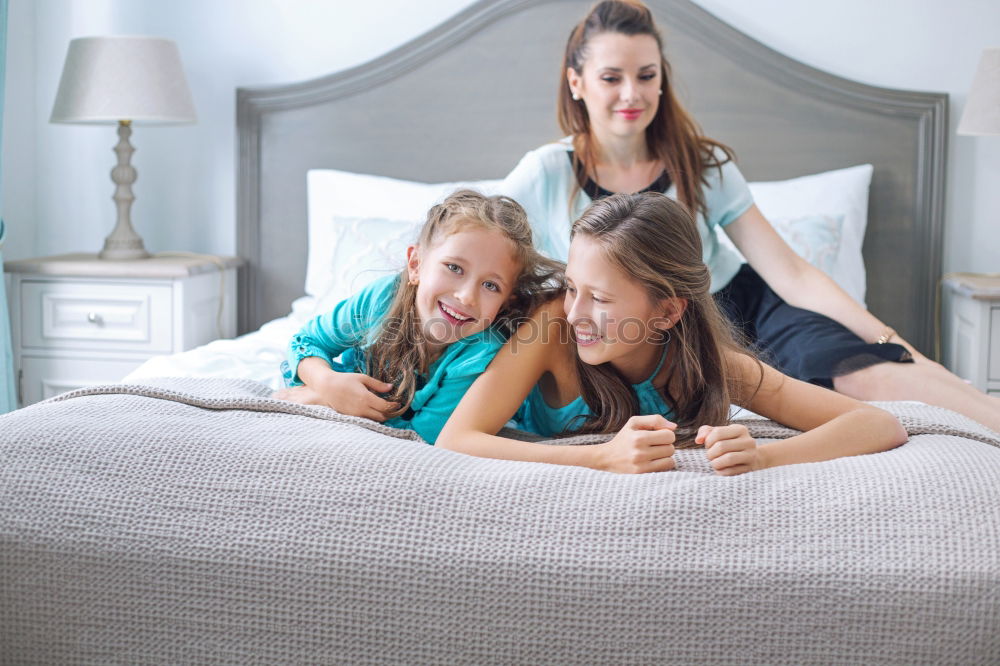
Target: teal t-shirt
348, 329
537, 416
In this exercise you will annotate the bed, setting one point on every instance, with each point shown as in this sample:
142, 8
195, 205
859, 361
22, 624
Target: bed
195, 519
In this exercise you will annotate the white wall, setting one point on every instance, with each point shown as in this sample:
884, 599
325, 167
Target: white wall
56, 184
910, 44
56, 178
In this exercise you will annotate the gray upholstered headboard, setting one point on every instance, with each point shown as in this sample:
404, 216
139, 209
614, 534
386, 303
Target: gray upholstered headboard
467, 99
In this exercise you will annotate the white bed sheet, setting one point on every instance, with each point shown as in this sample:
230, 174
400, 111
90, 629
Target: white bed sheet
255, 356
258, 355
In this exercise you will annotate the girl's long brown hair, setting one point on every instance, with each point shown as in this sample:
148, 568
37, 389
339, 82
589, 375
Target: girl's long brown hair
673, 137
654, 241
398, 350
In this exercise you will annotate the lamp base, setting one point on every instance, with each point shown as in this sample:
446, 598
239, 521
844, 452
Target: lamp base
122, 252
123, 243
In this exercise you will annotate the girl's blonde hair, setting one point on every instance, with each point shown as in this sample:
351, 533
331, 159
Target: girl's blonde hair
398, 350
672, 137
655, 241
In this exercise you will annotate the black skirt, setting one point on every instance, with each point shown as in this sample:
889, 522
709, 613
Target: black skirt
801, 343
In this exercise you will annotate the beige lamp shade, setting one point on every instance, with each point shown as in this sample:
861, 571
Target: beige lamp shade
123, 80
982, 110
108, 79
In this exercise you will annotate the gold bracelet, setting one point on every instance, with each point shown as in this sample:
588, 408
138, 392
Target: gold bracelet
887, 335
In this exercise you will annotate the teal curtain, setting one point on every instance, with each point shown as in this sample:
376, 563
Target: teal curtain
8, 394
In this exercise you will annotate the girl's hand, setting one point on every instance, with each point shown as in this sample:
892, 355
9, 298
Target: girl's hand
645, 444
349, 393
731, 449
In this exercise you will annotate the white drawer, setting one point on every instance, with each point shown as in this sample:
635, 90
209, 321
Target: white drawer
45, 377
95, 315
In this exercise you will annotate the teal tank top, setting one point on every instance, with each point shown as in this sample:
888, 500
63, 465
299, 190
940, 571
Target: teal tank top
538, 417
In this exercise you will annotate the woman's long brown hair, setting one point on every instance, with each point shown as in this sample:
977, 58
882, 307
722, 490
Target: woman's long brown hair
654, 240
399, 350
673, 137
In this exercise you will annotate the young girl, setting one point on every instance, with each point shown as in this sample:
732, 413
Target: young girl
411, 344
628, 133
643, 351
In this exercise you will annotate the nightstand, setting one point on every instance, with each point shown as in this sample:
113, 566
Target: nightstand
971, 329
78, 321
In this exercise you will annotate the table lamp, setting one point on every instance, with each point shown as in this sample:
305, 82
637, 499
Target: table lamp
121, 80
980, 117
982, 110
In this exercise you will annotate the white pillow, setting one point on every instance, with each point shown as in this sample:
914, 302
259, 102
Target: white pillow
360, 226
817, 238
823, 217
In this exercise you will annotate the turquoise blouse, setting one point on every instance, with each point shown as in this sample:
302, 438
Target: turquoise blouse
538, 417
348, 329
544, 178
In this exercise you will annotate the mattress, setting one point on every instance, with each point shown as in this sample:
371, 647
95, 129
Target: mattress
174, 521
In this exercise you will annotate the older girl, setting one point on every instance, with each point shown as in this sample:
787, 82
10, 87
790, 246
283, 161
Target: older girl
643, 352
628, 133
411, 344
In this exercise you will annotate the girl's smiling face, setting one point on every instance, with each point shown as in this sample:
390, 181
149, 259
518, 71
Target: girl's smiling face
613, 318
619, 83
463, 281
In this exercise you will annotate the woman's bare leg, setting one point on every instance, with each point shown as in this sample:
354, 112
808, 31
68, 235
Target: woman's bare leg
925, 381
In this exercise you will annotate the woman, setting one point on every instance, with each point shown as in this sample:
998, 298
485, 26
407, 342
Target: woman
628, 133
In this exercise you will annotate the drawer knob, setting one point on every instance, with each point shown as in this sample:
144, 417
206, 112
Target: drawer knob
93, 318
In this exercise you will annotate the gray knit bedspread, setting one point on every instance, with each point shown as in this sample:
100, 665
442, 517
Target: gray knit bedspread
200, 521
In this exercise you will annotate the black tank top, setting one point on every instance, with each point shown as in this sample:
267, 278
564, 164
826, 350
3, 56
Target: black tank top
595, 191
